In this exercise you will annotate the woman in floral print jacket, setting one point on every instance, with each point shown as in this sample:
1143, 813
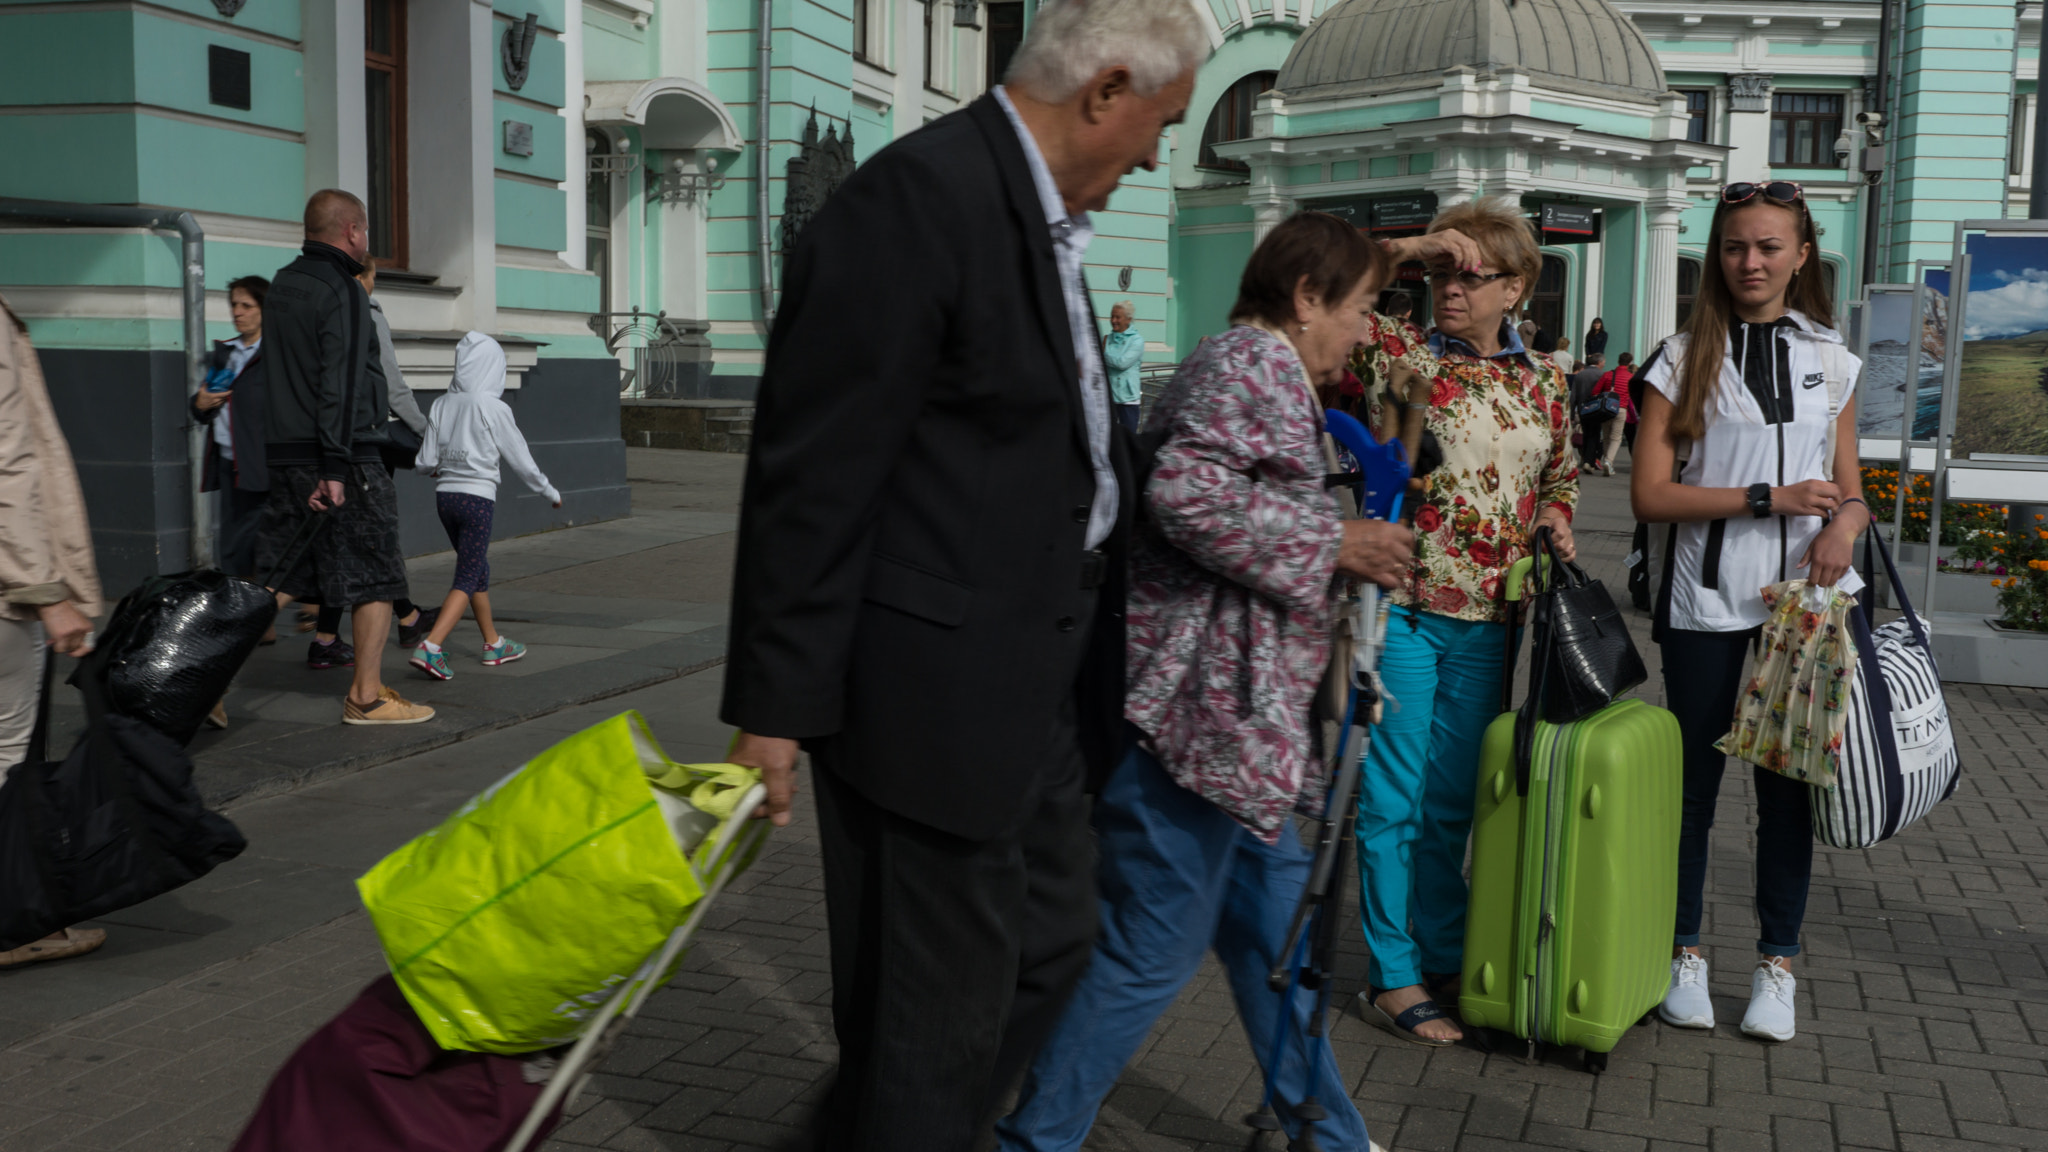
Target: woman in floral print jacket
1500, 415
1229, 624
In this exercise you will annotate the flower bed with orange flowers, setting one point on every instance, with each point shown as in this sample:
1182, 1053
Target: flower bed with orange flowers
1983, 544
1965, 523
2023, 595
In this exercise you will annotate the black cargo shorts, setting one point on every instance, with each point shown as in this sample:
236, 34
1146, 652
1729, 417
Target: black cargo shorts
354, 558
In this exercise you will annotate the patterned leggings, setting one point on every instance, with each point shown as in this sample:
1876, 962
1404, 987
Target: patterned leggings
468, 521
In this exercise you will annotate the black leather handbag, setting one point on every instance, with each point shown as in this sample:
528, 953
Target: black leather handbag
1581, 656
1584, 655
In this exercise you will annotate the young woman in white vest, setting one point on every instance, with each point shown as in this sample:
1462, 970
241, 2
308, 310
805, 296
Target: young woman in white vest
1738, 407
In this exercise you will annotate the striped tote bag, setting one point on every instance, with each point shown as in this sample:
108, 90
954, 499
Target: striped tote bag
1898, 755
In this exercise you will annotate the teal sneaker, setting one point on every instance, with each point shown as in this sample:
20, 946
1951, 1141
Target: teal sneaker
505, 651
434, 664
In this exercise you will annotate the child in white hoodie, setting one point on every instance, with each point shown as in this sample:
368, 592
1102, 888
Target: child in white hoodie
467, 434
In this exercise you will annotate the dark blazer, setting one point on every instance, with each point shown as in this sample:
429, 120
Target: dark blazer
246, 427
909, 588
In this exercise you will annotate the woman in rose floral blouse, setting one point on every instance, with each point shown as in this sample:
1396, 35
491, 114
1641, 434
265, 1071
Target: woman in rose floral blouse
1229, 624
1499, 412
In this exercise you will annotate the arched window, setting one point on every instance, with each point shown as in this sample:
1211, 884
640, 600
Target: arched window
1688, 287
1546, 303
1231, 119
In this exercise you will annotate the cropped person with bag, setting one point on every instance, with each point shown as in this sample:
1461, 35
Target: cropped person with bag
1741, 402
49, 584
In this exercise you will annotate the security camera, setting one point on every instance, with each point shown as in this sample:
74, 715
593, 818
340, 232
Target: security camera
1870, 119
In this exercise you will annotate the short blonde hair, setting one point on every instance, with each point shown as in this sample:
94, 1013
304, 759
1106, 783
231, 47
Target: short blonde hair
1502, 232
1126, 306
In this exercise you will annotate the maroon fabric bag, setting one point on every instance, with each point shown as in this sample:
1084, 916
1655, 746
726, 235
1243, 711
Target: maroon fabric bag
373, 1077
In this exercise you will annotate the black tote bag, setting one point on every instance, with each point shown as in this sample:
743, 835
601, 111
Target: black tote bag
115, 823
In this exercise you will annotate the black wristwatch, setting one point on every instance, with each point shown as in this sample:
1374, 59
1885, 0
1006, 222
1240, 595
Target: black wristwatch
1759, 500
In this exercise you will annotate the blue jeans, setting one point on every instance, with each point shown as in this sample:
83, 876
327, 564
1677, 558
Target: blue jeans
1415, 797
1178, 876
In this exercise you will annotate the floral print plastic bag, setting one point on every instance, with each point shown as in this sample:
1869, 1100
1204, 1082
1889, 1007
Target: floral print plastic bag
1795, 705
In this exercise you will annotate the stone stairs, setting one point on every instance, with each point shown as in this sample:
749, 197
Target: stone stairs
698, 425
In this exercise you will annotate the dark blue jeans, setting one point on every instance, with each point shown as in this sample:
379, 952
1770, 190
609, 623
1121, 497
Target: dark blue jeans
1703, 672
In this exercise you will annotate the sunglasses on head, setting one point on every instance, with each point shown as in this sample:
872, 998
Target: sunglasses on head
1777, 191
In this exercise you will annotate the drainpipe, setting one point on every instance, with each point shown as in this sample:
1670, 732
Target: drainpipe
1873, 199
194, 292
762, 162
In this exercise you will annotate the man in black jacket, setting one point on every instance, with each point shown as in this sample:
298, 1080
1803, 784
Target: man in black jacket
325, 414
929, 588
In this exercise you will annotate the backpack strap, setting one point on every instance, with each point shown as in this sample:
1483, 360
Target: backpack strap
1835, 366
1681, 452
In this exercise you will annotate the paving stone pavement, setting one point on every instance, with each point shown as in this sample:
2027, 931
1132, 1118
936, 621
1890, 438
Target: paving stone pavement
1923, 1008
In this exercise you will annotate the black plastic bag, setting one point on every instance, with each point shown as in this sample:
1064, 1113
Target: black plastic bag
115, 823
173, 645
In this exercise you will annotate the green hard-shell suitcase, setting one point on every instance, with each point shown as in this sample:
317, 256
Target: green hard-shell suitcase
1575, 884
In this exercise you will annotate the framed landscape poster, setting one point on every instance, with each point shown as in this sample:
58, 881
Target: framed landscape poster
1884, 333
1931, 365
2002, 374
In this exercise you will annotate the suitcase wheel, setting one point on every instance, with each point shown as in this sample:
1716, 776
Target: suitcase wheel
1596, 1062
1647, 1017
1482, 1039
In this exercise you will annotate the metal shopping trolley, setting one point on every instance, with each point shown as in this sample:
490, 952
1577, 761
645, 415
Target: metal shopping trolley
738, 841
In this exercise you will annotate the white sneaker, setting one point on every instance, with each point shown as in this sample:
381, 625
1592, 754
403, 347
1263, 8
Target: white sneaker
1687, 1004
1770, 1012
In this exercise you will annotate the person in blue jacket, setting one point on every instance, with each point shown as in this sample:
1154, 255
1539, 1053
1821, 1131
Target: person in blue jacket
1122, 351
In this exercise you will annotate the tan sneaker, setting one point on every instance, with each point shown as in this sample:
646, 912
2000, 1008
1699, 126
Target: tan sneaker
55, 946
390, 708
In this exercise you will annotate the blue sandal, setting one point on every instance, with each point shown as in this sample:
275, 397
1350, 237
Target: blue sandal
1404, 1024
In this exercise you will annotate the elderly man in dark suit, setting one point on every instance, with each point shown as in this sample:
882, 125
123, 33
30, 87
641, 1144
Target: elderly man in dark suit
928, 595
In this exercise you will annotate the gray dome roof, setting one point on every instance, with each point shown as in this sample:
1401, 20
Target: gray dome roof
1368, 46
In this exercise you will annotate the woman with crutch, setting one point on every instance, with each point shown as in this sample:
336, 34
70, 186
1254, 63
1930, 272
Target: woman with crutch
1233, 578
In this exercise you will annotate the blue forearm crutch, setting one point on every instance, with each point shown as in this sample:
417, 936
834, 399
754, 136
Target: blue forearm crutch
1307, 957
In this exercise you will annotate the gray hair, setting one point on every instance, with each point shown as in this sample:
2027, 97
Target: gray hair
1126, 306
1073, 40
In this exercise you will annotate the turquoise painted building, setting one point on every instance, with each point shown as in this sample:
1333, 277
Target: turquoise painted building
609, 185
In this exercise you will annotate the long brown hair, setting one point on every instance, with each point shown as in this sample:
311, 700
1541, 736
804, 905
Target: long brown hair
1706, 330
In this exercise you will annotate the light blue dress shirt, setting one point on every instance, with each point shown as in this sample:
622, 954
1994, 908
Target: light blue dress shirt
1070, 237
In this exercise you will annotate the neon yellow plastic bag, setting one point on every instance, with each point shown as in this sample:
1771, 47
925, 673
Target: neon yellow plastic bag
509, 922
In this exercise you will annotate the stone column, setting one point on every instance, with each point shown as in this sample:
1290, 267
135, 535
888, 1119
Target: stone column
1660, 287
1267, 212
1269, 205
337, 143
453, 143
1749, 127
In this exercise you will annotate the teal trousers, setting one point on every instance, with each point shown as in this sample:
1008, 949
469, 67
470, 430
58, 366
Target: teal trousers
1415, 796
